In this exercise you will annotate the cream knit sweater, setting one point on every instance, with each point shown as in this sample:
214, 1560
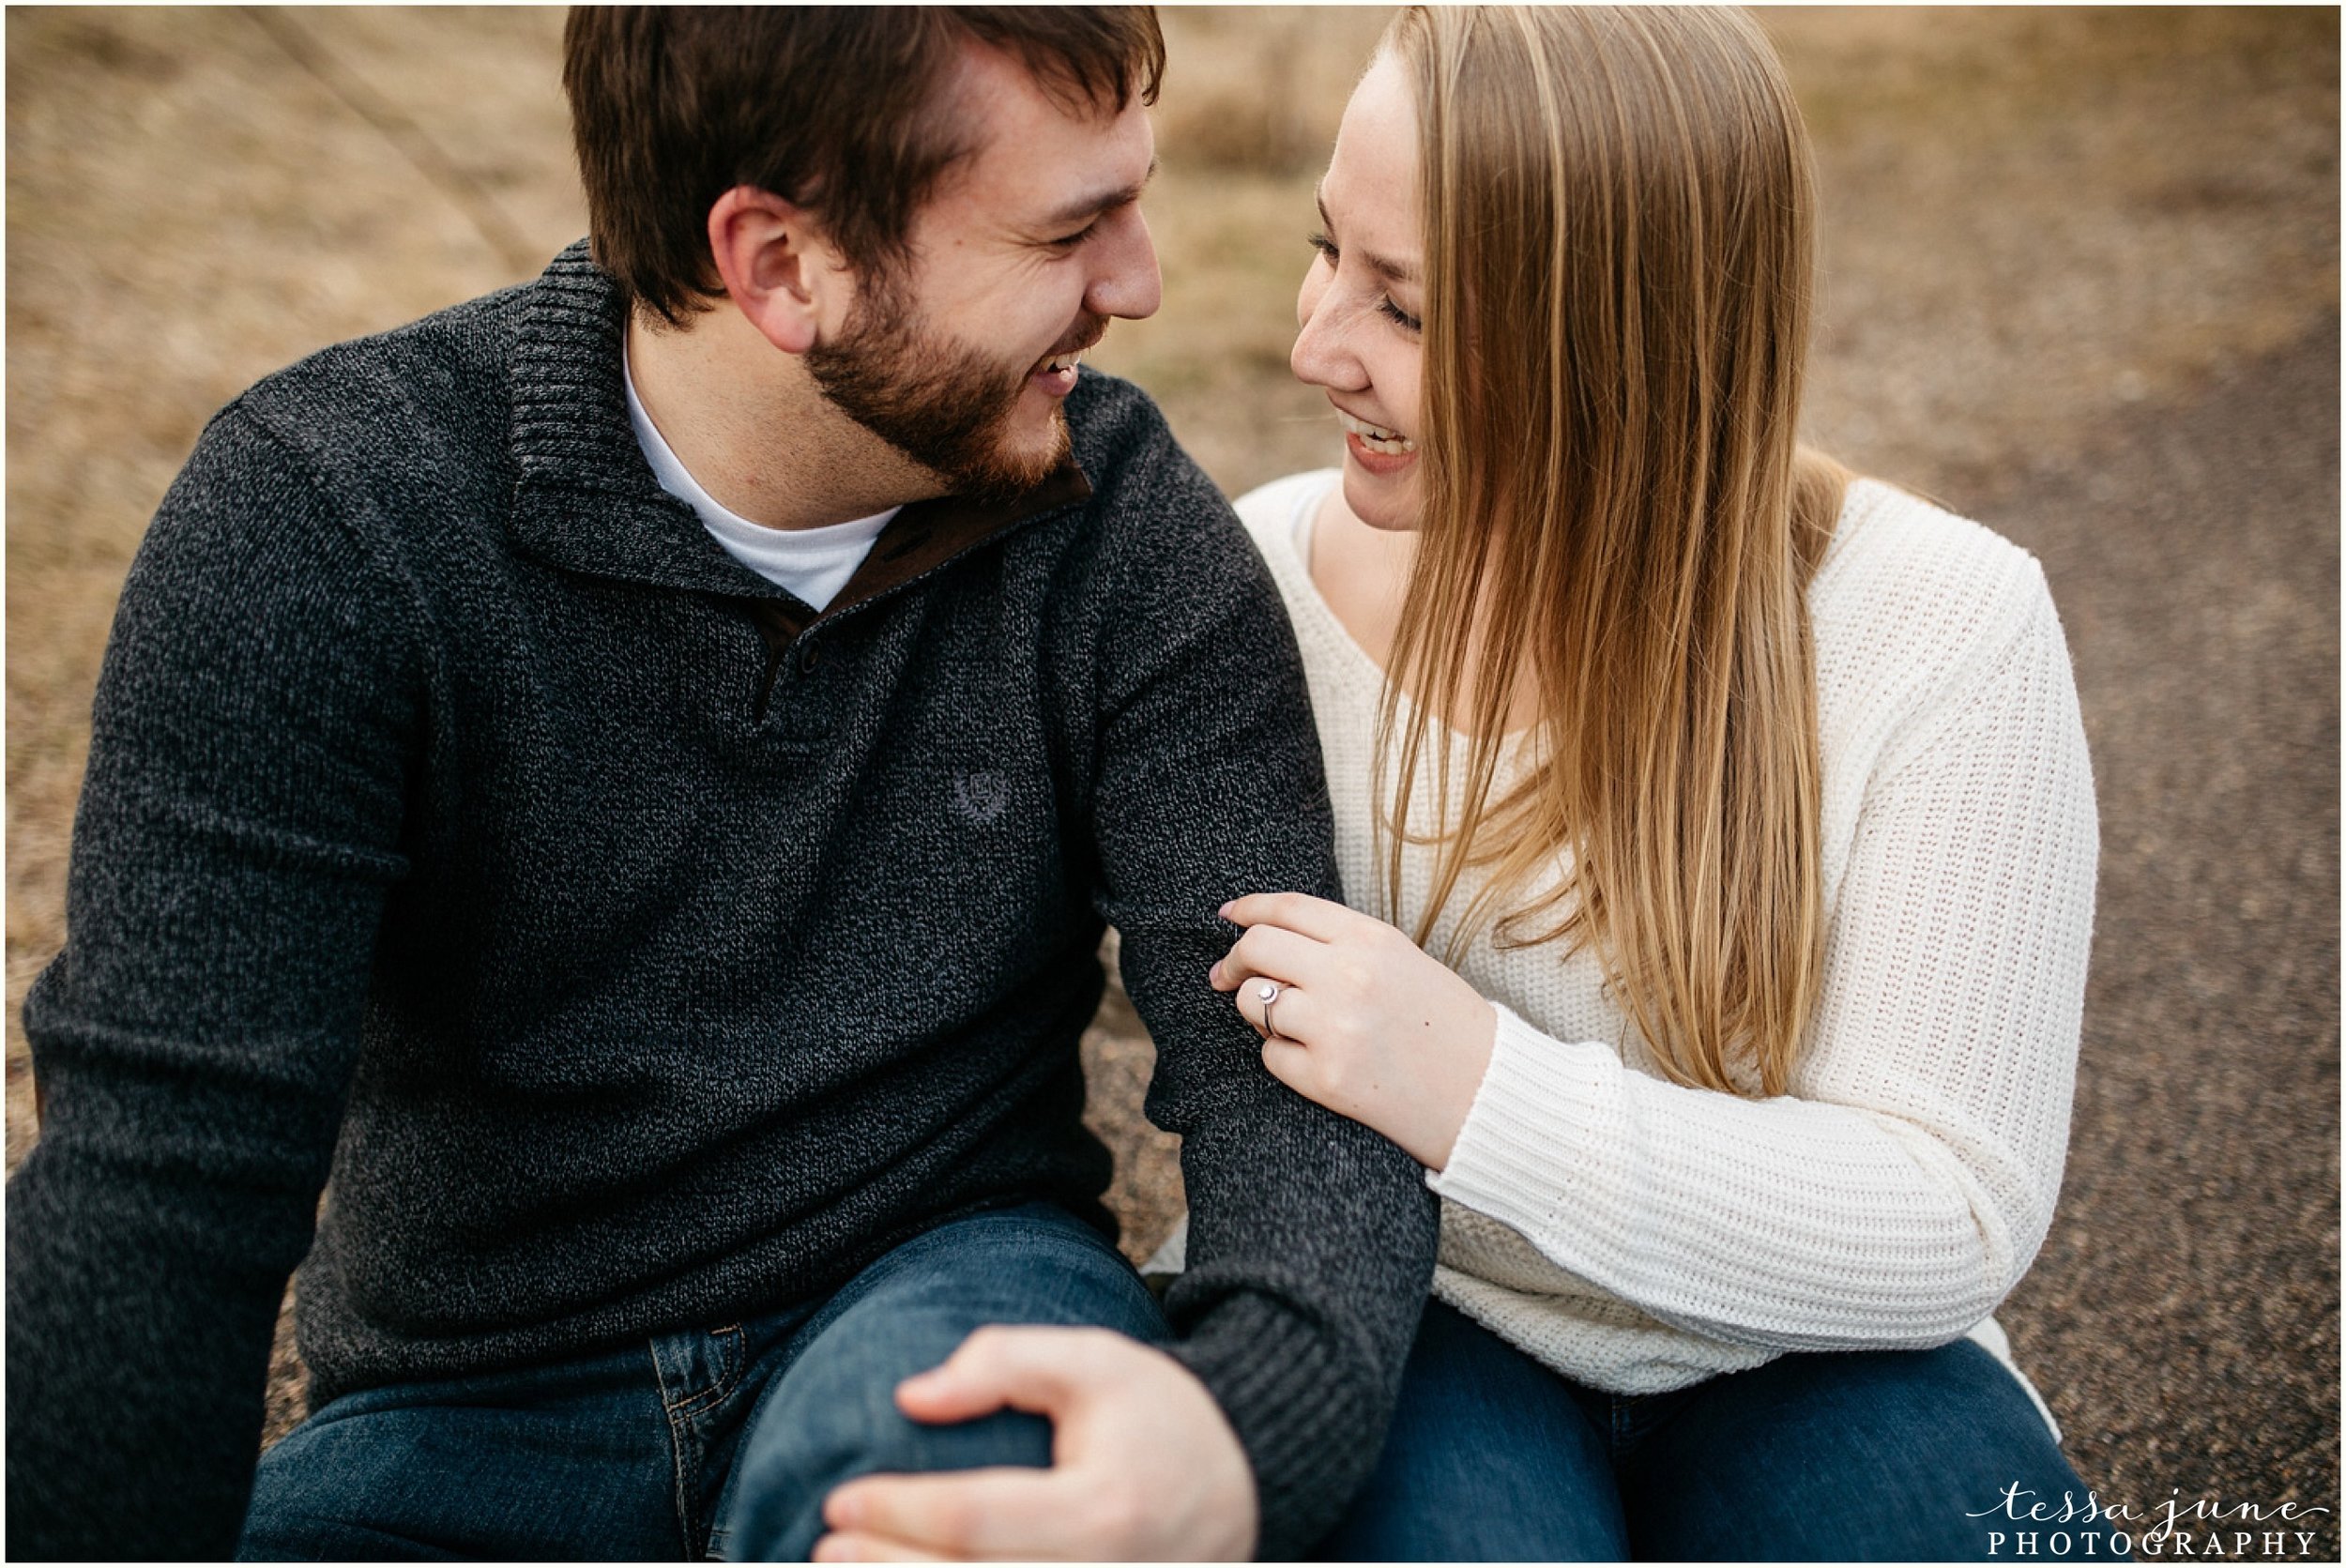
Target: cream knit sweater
1638, 1236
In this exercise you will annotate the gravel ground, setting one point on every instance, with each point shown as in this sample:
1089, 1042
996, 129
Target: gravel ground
2184, 1314
2081, 279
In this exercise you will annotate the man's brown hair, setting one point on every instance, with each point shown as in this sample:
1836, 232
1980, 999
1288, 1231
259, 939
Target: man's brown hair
837, 108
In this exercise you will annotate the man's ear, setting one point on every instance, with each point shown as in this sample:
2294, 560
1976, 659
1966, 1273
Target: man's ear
775, 264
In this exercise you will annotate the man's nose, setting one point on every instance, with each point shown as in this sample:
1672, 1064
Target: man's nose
1127, 282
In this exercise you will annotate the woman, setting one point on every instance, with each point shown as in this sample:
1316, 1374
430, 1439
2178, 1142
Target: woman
1733, 818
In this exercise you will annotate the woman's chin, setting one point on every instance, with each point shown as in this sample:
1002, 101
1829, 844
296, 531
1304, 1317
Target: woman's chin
1383, 501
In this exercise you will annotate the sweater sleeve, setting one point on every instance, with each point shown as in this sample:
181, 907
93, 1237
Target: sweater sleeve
1902, 1188
194, 1042
1311, 1238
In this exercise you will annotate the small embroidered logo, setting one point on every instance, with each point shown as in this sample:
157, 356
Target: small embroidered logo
980, 796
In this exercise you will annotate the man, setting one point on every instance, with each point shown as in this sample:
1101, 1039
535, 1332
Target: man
627, 774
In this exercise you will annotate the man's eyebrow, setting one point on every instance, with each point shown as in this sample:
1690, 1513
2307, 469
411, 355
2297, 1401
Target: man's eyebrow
1107, 201
1391, 270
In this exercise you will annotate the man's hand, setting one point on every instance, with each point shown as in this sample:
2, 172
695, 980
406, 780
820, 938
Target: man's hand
1144, 1465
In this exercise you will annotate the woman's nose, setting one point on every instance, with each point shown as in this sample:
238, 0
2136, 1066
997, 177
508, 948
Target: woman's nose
1320, 356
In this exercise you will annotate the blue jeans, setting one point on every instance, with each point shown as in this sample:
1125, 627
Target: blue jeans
1852, 1457
721, 1442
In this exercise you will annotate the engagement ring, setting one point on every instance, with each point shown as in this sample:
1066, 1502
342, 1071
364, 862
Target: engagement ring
1269, 993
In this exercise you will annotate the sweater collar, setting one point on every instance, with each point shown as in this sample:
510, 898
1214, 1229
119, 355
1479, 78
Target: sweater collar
585, 500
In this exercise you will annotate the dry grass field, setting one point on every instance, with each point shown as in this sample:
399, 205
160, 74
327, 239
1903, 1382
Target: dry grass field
2060, 246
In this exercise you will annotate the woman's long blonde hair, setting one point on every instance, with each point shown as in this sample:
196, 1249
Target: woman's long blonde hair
1618, 226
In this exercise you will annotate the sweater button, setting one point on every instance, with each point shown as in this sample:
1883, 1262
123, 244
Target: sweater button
809, 656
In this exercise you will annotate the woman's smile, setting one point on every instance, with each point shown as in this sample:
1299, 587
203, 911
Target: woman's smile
1379, 450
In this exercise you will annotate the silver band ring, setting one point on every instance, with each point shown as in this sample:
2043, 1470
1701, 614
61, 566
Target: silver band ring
1267, 993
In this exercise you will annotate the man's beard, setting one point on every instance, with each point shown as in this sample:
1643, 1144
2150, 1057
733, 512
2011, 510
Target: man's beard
944, 405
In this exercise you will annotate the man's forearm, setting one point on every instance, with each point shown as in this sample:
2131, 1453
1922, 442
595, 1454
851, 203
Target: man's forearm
138, 1343
1311, 1248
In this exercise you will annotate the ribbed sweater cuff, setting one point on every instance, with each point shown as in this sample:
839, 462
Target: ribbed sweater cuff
1540, 1097
1308, 1426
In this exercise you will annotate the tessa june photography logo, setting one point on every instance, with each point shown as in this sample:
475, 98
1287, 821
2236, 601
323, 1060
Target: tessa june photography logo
2204, 1528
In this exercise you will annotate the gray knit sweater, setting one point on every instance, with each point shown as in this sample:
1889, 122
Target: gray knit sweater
635, 948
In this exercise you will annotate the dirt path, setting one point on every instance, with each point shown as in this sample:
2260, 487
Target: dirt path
2184, 1314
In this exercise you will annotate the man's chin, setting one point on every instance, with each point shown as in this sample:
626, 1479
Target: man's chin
1008, 471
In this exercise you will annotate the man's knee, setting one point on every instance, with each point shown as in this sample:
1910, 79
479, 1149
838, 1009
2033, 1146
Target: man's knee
821, 1433
832, 1415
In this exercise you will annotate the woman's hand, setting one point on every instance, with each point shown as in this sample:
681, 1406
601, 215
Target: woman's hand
1367, 1025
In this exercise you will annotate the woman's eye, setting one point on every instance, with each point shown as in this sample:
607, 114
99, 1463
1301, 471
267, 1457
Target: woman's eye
1327, 249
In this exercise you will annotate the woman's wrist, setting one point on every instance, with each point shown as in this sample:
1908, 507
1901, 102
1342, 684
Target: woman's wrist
1467, 1060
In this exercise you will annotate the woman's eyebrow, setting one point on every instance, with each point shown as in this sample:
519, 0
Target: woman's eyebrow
1393, 271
